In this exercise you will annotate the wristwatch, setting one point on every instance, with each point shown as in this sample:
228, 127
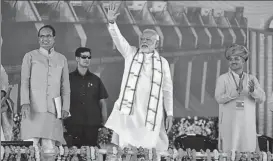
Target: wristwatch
112, 22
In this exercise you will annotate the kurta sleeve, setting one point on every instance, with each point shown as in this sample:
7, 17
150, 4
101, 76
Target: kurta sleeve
270, 101
25, 79
4, 80
167, 88
258, 94
121, 43
65, 87
221, 94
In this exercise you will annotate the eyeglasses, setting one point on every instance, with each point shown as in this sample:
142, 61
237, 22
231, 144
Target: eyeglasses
84, 57
45, 36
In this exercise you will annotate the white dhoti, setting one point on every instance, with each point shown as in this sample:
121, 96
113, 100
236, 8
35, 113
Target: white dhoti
140, 137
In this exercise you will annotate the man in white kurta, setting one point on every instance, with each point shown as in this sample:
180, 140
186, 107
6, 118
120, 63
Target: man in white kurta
4, 81
44, 76
134, 129
237, 125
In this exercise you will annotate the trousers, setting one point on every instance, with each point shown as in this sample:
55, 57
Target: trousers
48, 145
82, 135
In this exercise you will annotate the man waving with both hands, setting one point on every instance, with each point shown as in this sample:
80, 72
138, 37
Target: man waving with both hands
137, 118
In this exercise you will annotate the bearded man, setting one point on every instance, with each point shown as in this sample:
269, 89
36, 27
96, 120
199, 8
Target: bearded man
137, 118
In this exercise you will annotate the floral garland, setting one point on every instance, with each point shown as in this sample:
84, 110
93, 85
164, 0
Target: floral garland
194, 125
105, 136
75, 154
17, 118
94, 153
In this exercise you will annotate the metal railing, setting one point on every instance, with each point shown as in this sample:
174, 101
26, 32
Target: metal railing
261, 65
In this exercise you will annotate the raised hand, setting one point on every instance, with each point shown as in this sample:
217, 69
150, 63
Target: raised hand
112, 12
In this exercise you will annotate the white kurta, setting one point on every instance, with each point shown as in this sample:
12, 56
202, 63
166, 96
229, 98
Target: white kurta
4, 82
44, 76
4, 79
237, 128
2, 135
131, 130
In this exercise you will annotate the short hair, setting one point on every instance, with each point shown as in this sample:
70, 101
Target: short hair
80, 50
153, 32
49, 27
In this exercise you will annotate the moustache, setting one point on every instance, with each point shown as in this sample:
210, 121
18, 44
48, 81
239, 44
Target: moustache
144, 45
45, 42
